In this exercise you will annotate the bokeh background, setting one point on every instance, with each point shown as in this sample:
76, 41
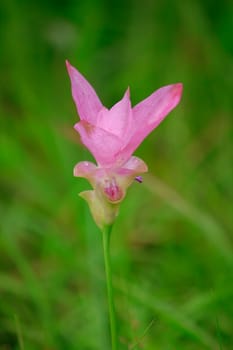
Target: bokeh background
172, 242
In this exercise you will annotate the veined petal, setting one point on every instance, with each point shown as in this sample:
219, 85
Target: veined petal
86, 100
117, 120
102, 144
149, 113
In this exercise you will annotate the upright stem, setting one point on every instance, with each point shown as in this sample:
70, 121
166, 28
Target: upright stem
108, 271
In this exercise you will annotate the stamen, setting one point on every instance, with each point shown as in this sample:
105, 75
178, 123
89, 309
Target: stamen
139, 179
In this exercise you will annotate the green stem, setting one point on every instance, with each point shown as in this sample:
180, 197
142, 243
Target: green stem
108, 271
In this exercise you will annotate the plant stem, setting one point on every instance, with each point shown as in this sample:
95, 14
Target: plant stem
108, 272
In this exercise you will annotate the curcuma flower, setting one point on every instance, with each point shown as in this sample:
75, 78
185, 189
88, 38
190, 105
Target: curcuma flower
112, 135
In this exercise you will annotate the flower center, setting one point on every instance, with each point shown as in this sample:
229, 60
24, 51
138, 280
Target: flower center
112, 190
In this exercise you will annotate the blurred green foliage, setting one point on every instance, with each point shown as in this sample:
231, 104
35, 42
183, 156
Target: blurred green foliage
172, 242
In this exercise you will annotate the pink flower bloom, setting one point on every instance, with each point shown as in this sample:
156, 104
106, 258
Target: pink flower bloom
112, 135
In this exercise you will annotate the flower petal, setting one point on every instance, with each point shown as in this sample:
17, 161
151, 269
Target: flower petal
82, 169
90, 171
154, 108
86, 100
136, 164
102, 144
117, 120
86, 170
149, 113
127, 173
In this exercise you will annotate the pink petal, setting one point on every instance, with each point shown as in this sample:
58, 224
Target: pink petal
102, 144
149, 113
127, 173
87, 102
86, 170
82, 169
132, 167
136, 164
117, 120
89, 171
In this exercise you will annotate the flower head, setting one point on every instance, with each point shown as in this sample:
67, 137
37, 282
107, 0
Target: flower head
112, 135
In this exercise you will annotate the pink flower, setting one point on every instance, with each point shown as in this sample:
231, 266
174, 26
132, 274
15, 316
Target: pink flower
112, 135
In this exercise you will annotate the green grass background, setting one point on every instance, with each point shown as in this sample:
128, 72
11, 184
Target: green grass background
172, 242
